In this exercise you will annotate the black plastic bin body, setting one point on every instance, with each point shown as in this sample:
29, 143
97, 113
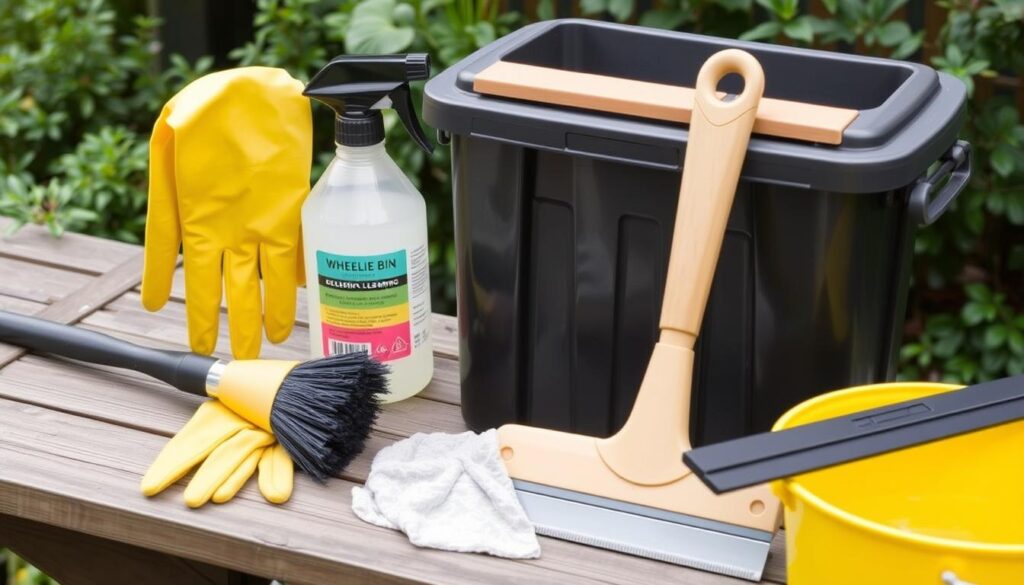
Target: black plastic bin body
563, 219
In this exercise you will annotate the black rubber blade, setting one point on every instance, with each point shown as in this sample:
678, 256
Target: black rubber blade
756, 459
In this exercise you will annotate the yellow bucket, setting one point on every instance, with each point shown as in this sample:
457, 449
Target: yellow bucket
947, 512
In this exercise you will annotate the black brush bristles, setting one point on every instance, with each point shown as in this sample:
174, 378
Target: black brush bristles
325, 408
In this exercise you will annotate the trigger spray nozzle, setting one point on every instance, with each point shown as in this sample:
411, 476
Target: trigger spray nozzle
358, 87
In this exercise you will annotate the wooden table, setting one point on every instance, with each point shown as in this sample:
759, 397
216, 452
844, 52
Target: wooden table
76, 439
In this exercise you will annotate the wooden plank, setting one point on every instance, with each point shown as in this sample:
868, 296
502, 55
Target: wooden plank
444, 386
93, 295
127, 315
164, 411
20, 306
75, 252
445, 333
135, 400
83, 474
35, 282
73, 558
444, 329
64, 482
775, 570
169, 324
672, 103
132, 400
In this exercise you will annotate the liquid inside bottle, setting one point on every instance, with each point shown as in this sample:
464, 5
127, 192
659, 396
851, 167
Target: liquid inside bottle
364, 228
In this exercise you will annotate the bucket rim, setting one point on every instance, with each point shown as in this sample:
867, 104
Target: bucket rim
803, 493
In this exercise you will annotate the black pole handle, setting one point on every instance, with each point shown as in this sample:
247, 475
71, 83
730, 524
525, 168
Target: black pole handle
181, 369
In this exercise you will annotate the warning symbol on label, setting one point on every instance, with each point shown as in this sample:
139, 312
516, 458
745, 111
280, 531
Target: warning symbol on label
399, 345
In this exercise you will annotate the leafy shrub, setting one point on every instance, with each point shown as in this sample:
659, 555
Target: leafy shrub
966, 321
77, 99
73, 147
984, 341
80, 86
50, 204
107, 173
300, 35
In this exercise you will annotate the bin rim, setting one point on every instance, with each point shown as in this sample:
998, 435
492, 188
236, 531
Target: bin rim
895, 163
792, 486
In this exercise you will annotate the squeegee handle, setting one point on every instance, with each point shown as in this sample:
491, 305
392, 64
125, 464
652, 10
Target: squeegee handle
181, 369
764, 457
719, 133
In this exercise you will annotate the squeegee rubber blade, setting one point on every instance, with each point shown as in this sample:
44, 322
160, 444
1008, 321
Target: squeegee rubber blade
681, 539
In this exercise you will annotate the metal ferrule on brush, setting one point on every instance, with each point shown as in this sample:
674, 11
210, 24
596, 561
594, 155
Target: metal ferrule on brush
213, 377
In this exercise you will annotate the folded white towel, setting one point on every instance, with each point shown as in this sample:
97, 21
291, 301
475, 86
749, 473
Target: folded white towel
449, 492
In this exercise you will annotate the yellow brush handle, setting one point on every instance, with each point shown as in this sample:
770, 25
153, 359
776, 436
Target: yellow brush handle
249, 387
719, 132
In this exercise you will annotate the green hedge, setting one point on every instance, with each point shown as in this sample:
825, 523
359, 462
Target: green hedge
80, 86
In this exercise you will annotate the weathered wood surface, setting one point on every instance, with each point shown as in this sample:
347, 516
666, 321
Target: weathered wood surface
75, 440
73, 558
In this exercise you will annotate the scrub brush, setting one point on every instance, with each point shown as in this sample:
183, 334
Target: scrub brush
320, 411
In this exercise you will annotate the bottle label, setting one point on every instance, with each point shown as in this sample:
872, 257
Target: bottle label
364, 304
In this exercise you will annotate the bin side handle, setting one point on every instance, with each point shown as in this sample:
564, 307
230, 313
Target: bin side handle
956, 167
671, 103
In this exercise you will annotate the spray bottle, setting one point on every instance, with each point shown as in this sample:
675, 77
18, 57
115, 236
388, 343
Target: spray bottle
364, 225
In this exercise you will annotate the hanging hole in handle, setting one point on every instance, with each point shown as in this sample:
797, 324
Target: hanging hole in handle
732, 85
720, 66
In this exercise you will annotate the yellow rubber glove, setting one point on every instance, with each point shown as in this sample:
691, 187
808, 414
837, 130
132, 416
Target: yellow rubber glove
228, 450
229, 168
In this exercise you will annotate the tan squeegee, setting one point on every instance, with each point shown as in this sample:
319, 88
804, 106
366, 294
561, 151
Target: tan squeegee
632, 492
782, 118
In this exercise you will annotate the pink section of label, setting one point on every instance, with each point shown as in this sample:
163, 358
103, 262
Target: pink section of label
383, 343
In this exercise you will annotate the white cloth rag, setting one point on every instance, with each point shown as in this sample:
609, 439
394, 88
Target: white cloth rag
449, 492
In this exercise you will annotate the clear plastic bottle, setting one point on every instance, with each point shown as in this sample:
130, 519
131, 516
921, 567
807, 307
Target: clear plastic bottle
364, 229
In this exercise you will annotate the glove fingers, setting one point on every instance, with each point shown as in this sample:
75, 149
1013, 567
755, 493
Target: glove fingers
163, 231
278, 265
211, 425
237, 479
222, 463
277, 474
202, 294
242, 284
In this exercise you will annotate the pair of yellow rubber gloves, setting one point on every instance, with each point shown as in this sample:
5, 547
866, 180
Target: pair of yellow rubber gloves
230, 159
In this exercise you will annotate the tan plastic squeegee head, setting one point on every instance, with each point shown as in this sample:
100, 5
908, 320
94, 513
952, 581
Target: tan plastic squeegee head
782, 118
642, 463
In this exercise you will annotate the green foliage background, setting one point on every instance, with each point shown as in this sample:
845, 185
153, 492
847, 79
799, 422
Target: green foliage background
80, 84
